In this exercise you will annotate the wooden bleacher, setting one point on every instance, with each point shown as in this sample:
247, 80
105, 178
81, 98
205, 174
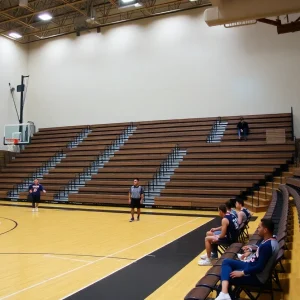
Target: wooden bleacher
210, 173
45, 144
141, 157
258, 125
77, 159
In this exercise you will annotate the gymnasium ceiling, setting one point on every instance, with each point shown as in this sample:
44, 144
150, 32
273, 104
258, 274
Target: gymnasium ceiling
69, 16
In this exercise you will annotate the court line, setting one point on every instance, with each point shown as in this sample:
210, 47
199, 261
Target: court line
63, 254
147, 254
100, 259
65, 258
11, 229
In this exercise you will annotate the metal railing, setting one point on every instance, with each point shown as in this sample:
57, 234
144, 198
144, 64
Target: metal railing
94, 165
216, 126
162, 170
50, 163
292, 123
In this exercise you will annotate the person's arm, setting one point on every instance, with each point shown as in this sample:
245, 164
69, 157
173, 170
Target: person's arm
129, 196
216, 229
240, 217
142, 195
251, 248
224, 226
30, 189
265, 253
42, 189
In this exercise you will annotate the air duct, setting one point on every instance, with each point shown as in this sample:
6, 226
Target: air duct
231, 11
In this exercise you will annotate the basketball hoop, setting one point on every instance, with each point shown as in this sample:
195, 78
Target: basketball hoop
12, 141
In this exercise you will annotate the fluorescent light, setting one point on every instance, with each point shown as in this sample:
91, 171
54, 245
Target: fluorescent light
138, 5
127, 1
45, 17
15, 35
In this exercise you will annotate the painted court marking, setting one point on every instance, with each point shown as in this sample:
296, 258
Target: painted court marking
105, 257
66, 258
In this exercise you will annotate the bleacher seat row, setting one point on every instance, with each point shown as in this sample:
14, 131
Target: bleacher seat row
210, 173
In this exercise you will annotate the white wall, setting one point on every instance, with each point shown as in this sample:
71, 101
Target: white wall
166, 67
13, 64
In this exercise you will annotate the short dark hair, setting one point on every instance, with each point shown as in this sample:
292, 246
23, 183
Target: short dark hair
136, 179
268, 223
228, 204
223, 208
240, 201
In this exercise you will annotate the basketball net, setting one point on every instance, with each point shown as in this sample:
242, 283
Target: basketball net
14, 147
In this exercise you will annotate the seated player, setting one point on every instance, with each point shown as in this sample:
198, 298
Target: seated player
255, 272
228, 235
244, 215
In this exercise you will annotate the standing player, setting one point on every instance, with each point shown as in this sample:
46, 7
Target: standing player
35, 190
136, 198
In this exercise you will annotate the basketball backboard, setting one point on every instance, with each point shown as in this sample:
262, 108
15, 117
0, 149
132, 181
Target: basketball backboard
18, 134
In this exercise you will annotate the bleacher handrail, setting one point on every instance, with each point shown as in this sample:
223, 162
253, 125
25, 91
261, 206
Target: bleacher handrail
100, 159
162, 169
48, 163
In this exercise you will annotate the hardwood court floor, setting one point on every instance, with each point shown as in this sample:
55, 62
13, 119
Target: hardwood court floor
55, 252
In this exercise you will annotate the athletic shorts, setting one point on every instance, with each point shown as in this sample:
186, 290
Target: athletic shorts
36, 198
135, 203
225, 240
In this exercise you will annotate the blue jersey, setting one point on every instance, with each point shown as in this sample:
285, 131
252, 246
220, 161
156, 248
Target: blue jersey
263, 260
36, 189
232, 231
247, 213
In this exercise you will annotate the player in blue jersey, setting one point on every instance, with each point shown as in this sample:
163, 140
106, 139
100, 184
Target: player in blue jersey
229, 234
35, 190
255, 272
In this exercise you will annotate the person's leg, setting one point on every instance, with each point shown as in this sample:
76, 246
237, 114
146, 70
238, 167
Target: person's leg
246, 134
206, 260
132, 213
132, 210
37, 201
33, 202
138, 213
239, 133
229, 265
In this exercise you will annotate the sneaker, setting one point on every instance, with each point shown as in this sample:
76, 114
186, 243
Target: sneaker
204, 256
36, 209
204, 262
131, 220
212, 255
33, 209
223, 296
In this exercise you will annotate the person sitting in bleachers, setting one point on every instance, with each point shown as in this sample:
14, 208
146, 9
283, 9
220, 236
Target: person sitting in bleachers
243, 129
244, 215
229, 233
255, 272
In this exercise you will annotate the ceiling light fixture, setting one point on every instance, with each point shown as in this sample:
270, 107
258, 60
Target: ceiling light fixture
45, 17
15, 35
